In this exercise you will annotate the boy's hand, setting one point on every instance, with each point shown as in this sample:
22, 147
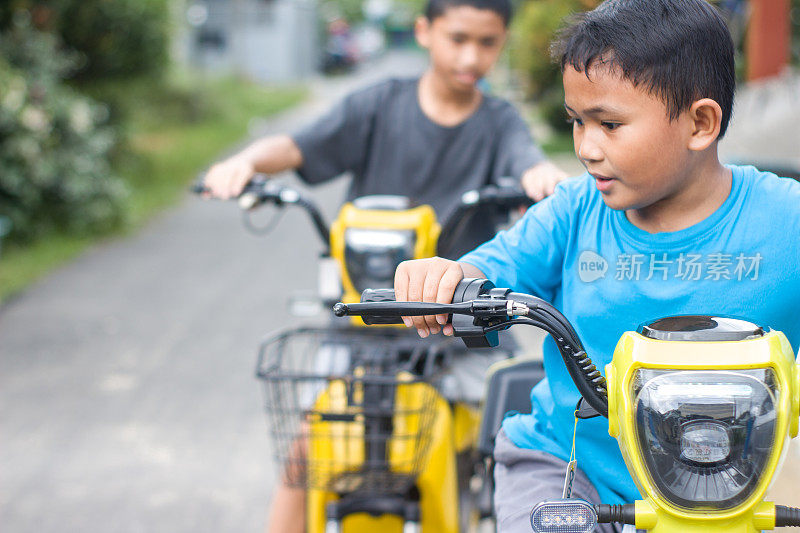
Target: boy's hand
228, 178
540, 181
427, 280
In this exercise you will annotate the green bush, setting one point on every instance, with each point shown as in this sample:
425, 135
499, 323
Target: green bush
112, 38
54, 146
533, 30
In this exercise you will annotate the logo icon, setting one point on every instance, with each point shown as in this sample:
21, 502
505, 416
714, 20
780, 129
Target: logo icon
591, 266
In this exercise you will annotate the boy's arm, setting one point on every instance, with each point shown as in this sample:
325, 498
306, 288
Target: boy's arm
269, 155
519, 155
334, 143
430, 280
540, 180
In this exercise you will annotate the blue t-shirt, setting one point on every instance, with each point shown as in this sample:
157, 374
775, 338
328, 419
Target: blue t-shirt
608, 276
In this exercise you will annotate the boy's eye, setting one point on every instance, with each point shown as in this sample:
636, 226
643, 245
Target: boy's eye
489, 43
611, 126
574, 120
459, 39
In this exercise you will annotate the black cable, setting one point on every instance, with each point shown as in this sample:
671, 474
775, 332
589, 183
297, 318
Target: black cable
787, 516
585, 363
562, 321
590, 382
616, 514
247, 220
507, 324
316, 217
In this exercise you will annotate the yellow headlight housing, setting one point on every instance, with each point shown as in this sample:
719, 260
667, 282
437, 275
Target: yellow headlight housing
372, 235
682, 405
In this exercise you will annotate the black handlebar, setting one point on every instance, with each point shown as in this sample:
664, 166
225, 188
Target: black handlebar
504, 197
493, 309
260, 190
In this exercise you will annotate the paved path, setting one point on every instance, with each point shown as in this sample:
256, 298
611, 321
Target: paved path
127, 394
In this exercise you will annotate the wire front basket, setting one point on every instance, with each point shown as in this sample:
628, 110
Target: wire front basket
346, 413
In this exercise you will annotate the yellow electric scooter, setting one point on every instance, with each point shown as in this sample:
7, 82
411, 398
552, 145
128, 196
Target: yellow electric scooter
703, 408
357, 415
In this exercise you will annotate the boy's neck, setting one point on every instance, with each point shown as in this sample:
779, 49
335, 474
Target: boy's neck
443, 105
707, 186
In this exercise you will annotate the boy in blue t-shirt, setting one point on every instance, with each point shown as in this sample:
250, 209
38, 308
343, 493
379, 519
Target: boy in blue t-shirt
657, 226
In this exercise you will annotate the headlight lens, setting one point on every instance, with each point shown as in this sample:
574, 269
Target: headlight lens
705, 443
372, 256
705, 436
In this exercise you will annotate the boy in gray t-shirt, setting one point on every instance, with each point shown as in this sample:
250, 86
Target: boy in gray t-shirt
431, 138
382, 135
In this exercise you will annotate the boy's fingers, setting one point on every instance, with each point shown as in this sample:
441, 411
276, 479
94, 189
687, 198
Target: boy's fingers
401, 288
421, 281
401, 282
432, 276
210, 182
416, 281
533, 189
433, 279
237, 182
447, 287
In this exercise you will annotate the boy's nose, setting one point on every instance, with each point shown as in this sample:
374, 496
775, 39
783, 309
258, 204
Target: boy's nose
469, 56
589, 151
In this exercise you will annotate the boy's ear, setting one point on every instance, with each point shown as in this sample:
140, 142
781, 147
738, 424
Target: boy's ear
705, 116
422, 30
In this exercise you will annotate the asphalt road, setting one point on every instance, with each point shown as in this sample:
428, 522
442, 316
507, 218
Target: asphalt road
128, 400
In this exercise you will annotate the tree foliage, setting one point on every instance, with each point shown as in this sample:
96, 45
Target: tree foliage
533, 29
113, 38
54, 146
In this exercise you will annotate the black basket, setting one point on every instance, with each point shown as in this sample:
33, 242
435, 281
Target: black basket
346, 410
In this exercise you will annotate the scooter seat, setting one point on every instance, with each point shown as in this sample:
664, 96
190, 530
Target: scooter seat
509, 389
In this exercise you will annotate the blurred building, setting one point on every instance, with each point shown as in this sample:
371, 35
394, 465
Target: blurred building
267, 40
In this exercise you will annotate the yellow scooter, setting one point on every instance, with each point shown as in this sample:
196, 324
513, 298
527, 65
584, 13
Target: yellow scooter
703, 408
357, 415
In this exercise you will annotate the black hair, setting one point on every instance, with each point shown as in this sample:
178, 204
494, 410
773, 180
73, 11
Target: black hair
679, 50
436, 8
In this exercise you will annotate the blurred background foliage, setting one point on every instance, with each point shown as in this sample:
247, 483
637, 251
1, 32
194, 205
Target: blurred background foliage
55, 144
535, 24
98, 129
537, 21
111, 38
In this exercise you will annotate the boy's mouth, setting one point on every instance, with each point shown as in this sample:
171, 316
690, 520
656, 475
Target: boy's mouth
469, 78
603, 183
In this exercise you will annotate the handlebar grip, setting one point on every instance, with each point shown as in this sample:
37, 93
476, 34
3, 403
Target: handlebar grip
379, 295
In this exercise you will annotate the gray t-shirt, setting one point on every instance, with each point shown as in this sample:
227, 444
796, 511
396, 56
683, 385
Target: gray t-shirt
381, 135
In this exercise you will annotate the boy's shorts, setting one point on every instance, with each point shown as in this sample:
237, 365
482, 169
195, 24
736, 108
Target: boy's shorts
524, 478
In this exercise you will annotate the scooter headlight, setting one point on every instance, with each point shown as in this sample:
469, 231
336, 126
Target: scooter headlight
705, 436
372, 255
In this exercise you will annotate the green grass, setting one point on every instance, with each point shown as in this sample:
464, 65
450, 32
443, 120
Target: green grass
173, 130
21, 266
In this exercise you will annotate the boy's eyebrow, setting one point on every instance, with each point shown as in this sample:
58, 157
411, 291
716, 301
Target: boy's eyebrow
596, 110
